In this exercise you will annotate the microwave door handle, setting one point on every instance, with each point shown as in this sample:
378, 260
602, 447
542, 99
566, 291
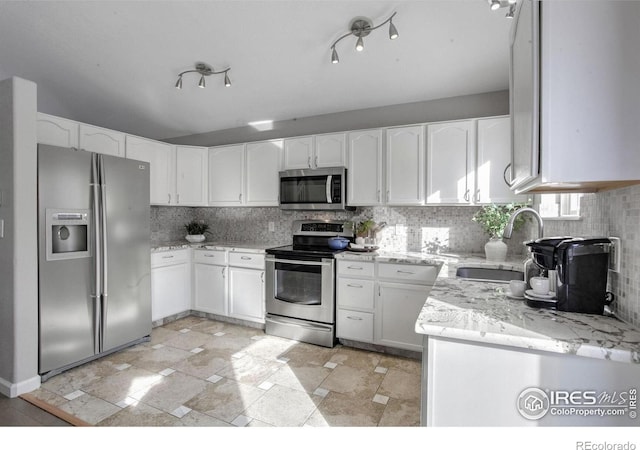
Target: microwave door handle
328, 188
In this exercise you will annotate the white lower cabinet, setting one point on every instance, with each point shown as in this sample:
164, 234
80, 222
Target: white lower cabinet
379, 302
210, 281
170, 283
246, 294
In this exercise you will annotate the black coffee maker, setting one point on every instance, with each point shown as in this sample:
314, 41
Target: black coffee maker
581, 267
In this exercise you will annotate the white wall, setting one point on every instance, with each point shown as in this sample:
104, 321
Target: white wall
19, 246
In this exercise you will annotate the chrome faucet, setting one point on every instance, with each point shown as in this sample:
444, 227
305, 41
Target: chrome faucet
508, 229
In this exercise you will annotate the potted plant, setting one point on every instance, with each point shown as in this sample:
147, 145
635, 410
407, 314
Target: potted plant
196, 231
493, 219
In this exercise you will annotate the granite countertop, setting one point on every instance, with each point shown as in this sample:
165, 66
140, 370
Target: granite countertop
258, 247
482, 312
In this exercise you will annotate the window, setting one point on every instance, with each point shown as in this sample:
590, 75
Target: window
559, 206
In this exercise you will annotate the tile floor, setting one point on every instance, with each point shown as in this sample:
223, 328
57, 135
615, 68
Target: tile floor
200, 372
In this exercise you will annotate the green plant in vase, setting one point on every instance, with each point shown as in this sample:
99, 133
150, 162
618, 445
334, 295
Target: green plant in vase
493, 218
196, 231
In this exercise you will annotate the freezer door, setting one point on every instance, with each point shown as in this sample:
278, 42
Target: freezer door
66, 278
126, 300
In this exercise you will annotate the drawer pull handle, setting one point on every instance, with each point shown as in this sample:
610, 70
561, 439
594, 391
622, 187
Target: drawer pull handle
167, 257
207, 255
354, 267
355, 285
246, 257
404, 271
354, 318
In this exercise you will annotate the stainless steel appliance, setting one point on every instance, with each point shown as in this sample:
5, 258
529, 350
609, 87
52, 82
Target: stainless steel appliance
580, 267
314, 189
300, 283
94, 266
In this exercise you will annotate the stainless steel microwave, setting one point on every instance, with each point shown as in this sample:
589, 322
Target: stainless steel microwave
314, 189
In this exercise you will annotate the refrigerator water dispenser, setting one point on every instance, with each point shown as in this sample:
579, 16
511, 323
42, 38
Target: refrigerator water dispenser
68, 233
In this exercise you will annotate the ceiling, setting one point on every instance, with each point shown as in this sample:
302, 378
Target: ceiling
114, 63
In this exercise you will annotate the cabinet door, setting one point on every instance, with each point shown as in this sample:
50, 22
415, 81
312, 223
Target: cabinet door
170, 292
330, 150
226, 175
210, 288
191, 175
101, 140
397, 309
405, 166
364, 187
298, 153
524, 94
246, 294
493, 157
263, 162
450, 162
57, 131
160, 157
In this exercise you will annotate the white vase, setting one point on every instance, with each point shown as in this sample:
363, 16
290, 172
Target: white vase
495, 250
193, 238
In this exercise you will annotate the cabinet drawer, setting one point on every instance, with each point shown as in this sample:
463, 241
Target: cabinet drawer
414, 273
217, 257
356, 268
250, 260
354, 325
168, 258
355, 293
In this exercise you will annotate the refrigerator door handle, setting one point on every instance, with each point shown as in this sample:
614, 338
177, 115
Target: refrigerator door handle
105, 267
95, 184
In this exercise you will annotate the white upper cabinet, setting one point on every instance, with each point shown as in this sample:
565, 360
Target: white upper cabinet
312, 152
405, 166
57, 131
574, 96
226, 175
161, 159
101, 140
364, 176
263, 163
330, 150
191, 175
450, 162
493, 162
299, 153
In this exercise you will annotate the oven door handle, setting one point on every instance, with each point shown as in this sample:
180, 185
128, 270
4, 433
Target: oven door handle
295, 261
328, 188
305, 303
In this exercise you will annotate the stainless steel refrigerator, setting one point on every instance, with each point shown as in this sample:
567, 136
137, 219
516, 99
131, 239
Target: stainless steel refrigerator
94, 261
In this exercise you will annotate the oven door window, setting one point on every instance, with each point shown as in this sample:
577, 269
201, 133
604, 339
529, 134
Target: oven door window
307, 189
299, 283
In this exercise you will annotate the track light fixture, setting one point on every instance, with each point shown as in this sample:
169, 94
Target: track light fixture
204, 71
497, 4
361, 27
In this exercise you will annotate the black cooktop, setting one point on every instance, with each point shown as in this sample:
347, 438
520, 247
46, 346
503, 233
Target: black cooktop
302, 251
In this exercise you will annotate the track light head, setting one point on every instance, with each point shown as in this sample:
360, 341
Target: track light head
179, 82
202, 84
393, 32
495, 4
360, 44
334, 56
512, 11
227, 81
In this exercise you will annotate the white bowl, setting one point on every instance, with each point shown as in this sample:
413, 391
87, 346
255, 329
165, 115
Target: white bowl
193, 238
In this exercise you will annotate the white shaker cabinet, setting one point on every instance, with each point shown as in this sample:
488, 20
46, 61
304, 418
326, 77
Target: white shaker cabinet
398, 308
246, 286
405, 166
450, 162
226, 175
160, 157
57, 131
299, 153
210, 281
191, 175
493, 161
101, 140
365, 162
170, 283
263, 163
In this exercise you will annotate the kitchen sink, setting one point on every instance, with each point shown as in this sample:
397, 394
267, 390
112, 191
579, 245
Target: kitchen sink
489, 274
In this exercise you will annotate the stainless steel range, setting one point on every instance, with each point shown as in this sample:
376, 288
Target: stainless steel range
300, 283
